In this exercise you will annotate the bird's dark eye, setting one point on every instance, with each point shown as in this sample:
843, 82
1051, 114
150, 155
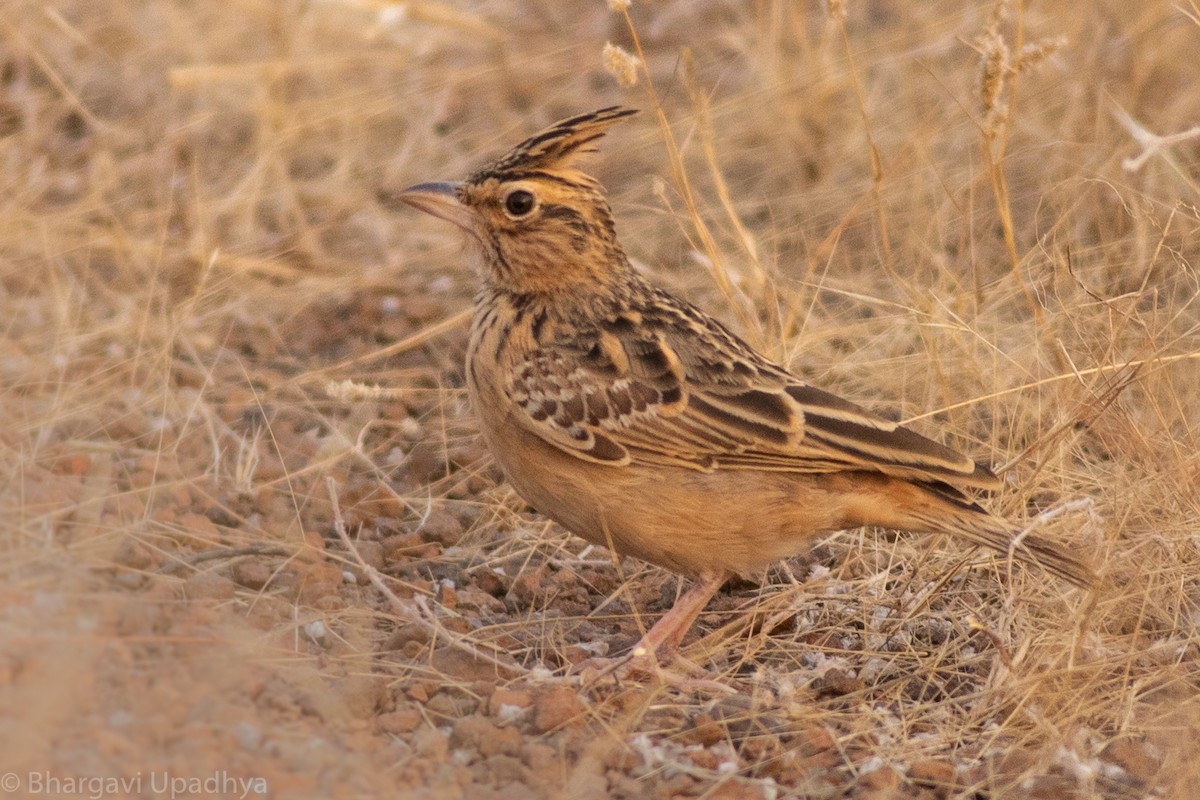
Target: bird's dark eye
518, 203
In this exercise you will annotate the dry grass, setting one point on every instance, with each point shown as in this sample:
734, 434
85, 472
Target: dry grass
937, 206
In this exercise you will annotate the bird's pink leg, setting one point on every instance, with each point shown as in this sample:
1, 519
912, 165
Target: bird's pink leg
655, 653
662, 640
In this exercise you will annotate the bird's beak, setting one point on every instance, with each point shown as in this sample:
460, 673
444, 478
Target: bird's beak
439, 198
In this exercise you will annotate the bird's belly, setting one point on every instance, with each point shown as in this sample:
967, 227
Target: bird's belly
687, 521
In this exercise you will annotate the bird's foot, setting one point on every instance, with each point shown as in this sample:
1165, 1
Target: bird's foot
643, 664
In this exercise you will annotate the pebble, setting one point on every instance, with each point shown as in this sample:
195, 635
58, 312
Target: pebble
932, 773
882, 778
442, 527
1133, 757
252, 574
556, 707
248, 734
371, 553
704, 730
737, 789
480, 733
836, 683
209, 586
400, 721
508, 704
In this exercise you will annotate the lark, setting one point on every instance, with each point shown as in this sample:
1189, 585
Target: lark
641, 424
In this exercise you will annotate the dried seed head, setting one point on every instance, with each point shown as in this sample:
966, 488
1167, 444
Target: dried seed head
620, 6
350, 391
999, 12
995, 61
621, 64
1034, 53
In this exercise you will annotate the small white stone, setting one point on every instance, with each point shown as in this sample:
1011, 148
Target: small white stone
248, 734
120, 719
315, 631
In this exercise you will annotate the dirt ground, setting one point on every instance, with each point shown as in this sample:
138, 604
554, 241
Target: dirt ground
252, 545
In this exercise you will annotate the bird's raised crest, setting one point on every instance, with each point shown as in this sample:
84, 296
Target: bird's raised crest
556, 149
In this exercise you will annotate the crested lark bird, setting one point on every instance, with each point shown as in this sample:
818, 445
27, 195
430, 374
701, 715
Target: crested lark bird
639, 423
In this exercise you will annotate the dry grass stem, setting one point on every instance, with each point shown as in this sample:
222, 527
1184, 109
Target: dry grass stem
417, 611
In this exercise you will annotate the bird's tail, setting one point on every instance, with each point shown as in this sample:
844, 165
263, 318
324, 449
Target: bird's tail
936, 508
1021, 544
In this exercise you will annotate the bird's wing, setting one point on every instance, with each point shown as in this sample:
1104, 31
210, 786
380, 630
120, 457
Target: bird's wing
667, 384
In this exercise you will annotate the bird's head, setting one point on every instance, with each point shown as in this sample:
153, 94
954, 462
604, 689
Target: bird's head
543, 225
